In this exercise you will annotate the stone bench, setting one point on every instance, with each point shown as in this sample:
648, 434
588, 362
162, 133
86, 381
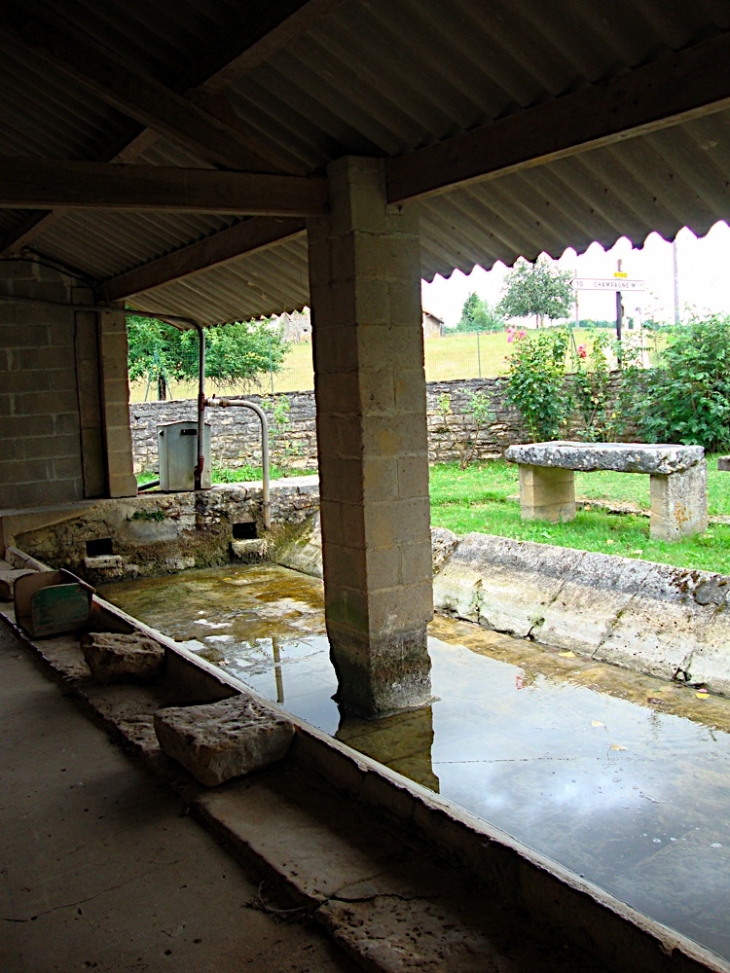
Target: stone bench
678, 481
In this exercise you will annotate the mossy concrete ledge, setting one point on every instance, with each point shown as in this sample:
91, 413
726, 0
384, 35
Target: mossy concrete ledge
668, 622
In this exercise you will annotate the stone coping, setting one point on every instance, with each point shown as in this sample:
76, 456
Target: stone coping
619, 457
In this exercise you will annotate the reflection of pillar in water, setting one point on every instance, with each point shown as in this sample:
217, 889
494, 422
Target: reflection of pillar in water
277, 671
402, 742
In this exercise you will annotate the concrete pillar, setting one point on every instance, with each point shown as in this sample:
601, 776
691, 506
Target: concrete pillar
370, 392
546, 493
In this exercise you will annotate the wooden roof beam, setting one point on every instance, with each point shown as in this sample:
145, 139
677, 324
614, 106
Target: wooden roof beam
124, 87
250, 236
40, 184
689, 84
279, 23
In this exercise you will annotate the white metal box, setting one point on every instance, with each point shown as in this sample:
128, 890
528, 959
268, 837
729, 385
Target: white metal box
177, 446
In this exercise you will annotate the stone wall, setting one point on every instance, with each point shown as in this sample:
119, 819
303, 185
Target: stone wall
39, 407
236, 433
236, 436
158, 533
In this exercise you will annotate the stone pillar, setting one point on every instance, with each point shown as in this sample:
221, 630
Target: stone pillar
121, 481
370, 392
546, 493
678, 504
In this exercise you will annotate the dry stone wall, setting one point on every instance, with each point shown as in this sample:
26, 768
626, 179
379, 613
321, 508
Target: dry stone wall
236, 438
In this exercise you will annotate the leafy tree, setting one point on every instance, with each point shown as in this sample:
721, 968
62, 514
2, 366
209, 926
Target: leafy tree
479, 315
154, 352
538, 289
237, 355
688, 401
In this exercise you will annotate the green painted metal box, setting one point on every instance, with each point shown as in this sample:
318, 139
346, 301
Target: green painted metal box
51, 602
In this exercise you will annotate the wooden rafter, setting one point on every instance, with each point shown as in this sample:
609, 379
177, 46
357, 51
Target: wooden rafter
34, 183
250, 236
276, 25
687, 85
125, 88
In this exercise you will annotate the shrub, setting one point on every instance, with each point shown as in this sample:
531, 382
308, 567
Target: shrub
536, 384
606, 402
688, 401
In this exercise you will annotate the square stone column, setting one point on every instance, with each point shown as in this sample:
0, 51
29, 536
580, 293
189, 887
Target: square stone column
678, 504
370, 390
547, 493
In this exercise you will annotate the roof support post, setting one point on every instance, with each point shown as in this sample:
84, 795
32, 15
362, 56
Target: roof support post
370, 392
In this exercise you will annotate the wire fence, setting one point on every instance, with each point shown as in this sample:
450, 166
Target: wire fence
456, 356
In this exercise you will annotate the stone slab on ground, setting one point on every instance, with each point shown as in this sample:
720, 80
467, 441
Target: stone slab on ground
620, 457
112, 656
218, 741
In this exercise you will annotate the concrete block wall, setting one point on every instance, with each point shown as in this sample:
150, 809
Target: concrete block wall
40, 455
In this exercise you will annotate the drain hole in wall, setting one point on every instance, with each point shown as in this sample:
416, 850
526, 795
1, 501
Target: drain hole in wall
99, 547
245, 532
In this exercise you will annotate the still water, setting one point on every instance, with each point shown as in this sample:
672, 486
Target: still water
622, 778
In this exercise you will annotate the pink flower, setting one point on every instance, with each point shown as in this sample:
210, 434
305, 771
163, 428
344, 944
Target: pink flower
510, 337
521, 334
582, 351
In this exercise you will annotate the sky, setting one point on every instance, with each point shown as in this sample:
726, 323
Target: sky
703, 274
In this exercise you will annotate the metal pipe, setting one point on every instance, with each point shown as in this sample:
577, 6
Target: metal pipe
201, 407
101, 308
147, 486
244, 403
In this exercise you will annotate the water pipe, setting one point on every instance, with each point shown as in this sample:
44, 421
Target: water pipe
245, 404
201, 407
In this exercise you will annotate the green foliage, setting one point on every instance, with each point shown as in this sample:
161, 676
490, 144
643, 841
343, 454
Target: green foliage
689, 398
154, 352
156, 515
465, 436
479, 315
280, 433
538, 289
606, 404
237, 355
536, 383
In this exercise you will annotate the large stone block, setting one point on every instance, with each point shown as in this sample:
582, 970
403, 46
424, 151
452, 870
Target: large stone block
547, 494
218, 741
114, 657
679, 504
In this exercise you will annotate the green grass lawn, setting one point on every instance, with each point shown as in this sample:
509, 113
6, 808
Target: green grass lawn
477, 499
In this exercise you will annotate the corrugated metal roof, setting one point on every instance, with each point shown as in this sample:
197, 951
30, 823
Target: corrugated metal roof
383, 77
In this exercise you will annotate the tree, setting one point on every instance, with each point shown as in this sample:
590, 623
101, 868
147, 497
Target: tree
479, 315
540, 289
237, 354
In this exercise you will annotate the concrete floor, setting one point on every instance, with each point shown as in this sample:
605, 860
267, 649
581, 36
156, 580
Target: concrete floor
99, 868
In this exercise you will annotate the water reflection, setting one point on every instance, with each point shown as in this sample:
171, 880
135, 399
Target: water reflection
631, 796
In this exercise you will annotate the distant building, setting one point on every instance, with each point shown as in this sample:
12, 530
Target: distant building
433, 326
297, 325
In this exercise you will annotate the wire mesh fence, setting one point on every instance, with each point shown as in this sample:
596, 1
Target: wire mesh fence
456, 356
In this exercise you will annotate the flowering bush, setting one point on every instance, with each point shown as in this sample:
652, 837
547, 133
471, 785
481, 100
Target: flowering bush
536, 384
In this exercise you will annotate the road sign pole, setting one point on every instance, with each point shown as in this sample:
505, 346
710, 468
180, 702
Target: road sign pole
619, 316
